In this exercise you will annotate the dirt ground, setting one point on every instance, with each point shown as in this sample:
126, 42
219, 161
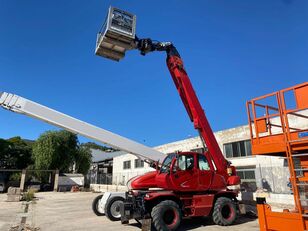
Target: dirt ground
72, 211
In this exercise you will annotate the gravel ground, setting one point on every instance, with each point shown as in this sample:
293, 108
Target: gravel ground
72, 211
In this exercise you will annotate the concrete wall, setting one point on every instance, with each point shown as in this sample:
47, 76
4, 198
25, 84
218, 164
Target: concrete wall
107, 188
120, 176
272, 174
182, 145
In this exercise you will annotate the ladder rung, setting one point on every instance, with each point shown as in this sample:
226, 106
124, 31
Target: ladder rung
302, 184
303, 199
301, 169
303, 154
301, 140
305, 215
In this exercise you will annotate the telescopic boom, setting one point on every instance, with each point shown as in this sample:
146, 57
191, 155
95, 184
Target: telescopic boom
189, 98
27, 107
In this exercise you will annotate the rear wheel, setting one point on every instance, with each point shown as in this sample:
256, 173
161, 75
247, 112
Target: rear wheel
224, 212
112, 208
96, 206
166, 216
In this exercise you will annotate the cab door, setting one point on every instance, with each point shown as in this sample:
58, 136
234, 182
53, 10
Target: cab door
183, 173
205, 172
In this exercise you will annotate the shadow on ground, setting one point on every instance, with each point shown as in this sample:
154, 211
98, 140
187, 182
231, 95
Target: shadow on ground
198, 222
193, 223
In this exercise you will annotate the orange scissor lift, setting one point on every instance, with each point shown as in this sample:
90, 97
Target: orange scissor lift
279, 127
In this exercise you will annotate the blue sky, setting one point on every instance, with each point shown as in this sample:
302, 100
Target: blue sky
233, 51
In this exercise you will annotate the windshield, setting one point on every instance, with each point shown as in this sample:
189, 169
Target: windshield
167, 162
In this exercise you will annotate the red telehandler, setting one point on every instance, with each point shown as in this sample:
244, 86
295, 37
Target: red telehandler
186, 184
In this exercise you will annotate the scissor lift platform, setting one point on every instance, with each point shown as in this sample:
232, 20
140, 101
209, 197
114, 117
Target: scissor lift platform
277, 118
278, 125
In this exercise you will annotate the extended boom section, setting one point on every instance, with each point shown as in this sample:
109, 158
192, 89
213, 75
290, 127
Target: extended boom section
190, 100
27, 107
194, 108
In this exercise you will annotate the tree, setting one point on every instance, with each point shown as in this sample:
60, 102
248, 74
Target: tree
83, 160
54, 150
15, 153
4, 150
61, 150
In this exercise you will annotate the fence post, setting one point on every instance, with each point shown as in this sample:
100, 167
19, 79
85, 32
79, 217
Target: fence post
22, 180
56, 182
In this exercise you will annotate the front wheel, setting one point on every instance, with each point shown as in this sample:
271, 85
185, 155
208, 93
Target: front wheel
112, 208
96, 207
166, 216
224, 212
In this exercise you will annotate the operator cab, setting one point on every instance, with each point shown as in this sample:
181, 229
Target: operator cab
186, 171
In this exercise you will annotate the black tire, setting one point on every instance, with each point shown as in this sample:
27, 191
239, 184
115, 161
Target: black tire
224, 212
166, 216
110, 206
95, 205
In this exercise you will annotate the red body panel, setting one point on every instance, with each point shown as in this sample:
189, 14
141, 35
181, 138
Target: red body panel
145, 181
202, 204
233, 180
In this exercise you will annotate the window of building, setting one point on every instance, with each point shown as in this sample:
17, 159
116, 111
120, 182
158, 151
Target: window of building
246, 175
126, 164
139, 163
199, 150
238, 149
248, 178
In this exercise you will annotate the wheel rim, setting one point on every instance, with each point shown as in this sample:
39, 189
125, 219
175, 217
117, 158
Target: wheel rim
115, 209
170, 217
226, 212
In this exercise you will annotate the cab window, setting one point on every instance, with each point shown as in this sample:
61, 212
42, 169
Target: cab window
167, 162
203, 163
185, 162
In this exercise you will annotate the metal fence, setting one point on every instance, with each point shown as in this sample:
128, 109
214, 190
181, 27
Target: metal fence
120, 178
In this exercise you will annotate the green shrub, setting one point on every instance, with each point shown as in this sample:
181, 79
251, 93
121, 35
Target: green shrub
29, 195
15, 176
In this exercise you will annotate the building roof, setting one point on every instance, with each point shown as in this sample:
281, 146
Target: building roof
98, 155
